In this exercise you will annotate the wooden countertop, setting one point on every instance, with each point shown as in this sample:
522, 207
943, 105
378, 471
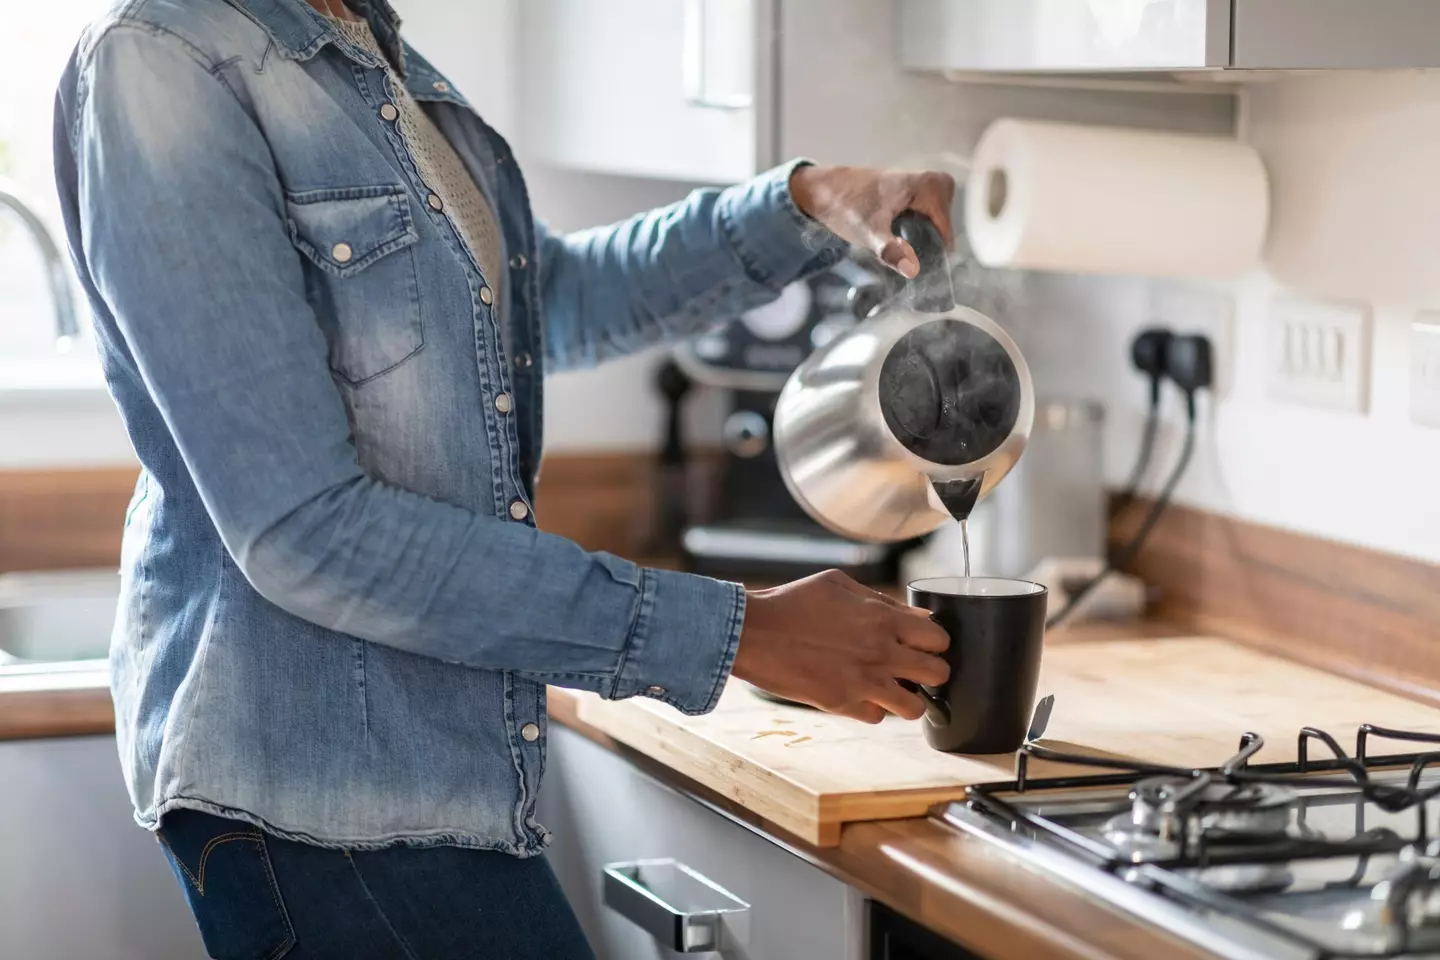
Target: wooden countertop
965, 888
64, 700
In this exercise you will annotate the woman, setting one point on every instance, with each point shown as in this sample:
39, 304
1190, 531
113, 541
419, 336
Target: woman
324, 311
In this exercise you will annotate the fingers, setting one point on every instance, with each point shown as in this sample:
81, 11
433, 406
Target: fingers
864, 712
922, 633
860, 590
933, 194
909, 664
899, 701
900, 257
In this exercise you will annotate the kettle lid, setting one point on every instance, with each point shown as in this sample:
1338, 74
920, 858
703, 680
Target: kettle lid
950, 392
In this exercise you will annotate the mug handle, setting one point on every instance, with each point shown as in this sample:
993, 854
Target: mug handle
936, 710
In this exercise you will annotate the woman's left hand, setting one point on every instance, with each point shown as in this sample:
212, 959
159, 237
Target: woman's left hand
858, 204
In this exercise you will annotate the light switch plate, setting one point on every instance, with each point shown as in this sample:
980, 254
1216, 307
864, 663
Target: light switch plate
1320, 354
1425, 370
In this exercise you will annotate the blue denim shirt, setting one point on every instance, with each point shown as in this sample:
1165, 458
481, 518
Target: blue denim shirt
338, 618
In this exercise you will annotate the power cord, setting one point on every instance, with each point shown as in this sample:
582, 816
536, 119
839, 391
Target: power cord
1148, 353
1188, 363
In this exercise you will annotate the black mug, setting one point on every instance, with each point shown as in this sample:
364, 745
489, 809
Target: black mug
997, 629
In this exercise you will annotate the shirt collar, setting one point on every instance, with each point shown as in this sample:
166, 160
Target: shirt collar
299, 30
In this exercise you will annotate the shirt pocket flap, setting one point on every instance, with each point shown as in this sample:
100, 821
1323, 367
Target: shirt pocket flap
345, 230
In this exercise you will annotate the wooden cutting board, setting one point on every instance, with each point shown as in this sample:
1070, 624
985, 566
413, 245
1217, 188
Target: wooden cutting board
1183, 702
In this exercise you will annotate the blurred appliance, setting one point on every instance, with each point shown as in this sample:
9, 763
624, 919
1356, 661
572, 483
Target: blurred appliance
757, 529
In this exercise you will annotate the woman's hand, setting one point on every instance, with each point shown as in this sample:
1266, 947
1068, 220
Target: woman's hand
829, 642
858, 204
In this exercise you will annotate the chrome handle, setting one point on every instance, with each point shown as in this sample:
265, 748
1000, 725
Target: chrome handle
697, 93
683, 910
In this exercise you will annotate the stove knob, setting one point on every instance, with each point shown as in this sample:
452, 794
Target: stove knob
747, 435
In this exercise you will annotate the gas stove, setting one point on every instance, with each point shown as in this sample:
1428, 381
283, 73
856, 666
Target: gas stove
1332, 856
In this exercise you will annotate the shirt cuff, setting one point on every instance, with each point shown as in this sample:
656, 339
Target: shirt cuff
776, 242
683, 640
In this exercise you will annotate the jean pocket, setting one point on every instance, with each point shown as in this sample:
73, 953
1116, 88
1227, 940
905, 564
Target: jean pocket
364, 282
224, 869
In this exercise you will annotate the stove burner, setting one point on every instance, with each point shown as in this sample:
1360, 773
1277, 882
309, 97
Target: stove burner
1168, 812
1246, 877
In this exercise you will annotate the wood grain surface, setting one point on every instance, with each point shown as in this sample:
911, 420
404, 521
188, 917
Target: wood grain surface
58, 519
1180, 701
61, 703
1368, 615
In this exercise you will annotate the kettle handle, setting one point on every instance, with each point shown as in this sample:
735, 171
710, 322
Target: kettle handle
931, 290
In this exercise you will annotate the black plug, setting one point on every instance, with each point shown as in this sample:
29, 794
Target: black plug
1189, 362
1149, 351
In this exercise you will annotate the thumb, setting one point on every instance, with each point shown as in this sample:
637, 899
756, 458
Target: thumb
900, 257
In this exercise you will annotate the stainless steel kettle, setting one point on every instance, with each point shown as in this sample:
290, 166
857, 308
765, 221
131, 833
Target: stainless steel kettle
908, 419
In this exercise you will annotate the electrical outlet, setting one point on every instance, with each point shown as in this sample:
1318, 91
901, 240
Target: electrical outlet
1425, 370
1191, 309
1320, 354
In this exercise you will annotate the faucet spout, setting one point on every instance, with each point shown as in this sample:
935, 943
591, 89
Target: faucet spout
67, 326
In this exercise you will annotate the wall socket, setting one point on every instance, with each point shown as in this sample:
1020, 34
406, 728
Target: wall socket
1320, 354
1425, 370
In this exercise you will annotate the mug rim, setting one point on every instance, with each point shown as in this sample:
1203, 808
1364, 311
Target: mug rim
916, 586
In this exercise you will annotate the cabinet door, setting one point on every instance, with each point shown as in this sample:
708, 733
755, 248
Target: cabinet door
677, 89
1065, 35
1336, 34
603, 810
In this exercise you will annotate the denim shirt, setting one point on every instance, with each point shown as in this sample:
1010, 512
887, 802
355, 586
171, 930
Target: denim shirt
338, 618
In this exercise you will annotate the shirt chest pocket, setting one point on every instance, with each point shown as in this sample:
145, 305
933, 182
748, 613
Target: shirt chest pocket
364, 285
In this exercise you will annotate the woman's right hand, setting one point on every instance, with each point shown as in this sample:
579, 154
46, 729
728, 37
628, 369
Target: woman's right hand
829, 642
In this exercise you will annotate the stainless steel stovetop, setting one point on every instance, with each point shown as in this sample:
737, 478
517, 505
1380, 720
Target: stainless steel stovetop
1333, 856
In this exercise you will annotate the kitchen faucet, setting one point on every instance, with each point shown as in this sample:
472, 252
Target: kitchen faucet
67, 327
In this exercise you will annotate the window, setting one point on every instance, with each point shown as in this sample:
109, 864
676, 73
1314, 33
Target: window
37, 44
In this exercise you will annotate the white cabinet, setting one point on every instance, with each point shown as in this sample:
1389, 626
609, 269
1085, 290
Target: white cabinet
78, 878
674, 89
1079, 36
603, 810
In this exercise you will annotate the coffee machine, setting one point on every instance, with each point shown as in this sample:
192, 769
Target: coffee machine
756, 530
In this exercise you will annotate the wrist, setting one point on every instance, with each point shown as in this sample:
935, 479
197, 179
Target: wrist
802, 188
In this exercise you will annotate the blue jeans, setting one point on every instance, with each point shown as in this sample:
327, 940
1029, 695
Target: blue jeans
257, 897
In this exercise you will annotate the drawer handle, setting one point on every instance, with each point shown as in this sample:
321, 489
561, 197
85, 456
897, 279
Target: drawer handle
683, 910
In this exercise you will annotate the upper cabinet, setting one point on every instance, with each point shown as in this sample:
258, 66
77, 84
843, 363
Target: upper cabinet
1106, 36
673, 89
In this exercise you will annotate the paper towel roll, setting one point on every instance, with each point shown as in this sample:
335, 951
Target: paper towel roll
1111, 200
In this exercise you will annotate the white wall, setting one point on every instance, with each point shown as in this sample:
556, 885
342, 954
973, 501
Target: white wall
1357, 216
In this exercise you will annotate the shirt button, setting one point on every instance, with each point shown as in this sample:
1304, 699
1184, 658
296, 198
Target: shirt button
530, 732
523, 361
487, 297
435, 202
518, 510
518, 261
502, 403
655, 691
441, 86
341, 252
388, 112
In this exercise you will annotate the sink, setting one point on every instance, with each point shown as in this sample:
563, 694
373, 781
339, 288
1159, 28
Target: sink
57, 617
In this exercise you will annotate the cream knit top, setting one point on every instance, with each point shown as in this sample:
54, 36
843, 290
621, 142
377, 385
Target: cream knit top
440, 167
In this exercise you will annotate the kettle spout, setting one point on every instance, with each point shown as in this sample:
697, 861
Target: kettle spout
958, 496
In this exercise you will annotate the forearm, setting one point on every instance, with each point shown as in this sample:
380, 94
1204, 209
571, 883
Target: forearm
664, 274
